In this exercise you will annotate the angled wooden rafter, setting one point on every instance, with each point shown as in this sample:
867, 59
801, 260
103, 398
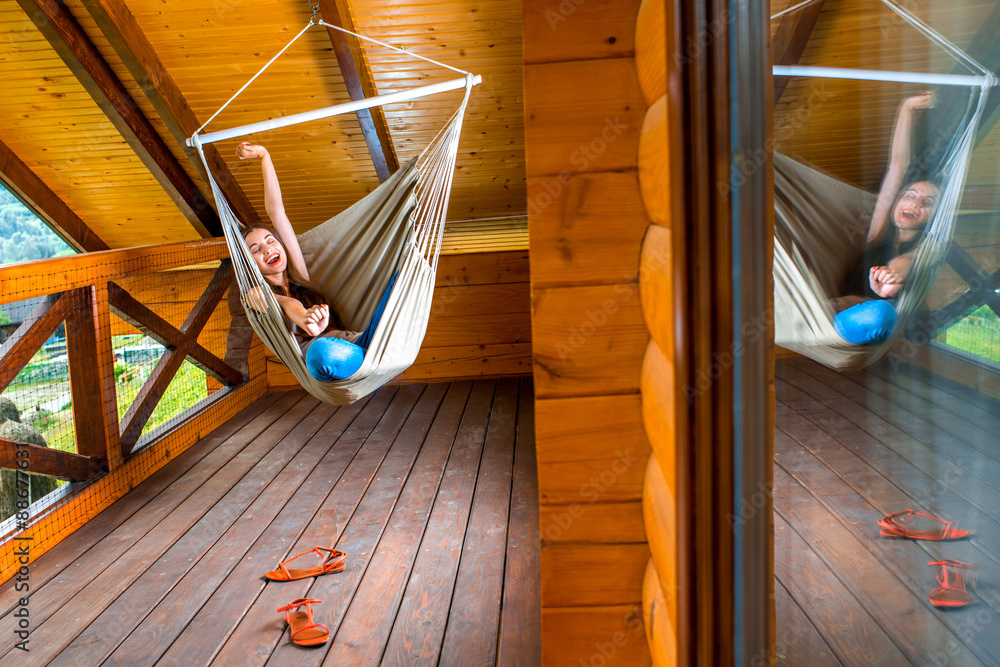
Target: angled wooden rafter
179, 343
122, 31
58, 25
359, 84
33, 193
790, 41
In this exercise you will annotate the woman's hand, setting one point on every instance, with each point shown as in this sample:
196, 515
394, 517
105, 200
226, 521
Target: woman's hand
246, 150
885, 282
317, 319
925, 100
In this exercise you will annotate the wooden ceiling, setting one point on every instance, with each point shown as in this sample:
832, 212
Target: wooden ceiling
197, 54
174, 63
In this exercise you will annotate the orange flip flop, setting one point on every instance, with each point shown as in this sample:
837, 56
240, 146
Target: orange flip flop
304, 631
952, 591
335, 562
900, 525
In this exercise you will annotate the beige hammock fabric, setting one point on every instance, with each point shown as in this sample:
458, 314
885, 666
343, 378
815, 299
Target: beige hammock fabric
820, 227
397, 229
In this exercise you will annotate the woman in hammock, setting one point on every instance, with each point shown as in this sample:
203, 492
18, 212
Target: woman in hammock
868, 315
330, 351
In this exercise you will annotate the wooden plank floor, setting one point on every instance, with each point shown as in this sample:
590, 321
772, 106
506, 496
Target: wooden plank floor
850, 448
429, 488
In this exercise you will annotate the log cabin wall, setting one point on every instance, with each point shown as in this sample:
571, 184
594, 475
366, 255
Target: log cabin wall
584, 113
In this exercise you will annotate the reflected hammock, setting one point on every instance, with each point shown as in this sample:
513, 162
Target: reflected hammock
397, 229
821, 223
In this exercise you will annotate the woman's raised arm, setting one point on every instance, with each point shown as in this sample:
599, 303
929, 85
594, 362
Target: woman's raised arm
274, 206
899, 162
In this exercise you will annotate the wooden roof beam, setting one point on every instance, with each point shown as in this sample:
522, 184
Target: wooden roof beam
70, 41
359, 84
790, 41
122, 31
43, 202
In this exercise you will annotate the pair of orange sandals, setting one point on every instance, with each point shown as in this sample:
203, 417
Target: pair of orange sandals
305, 631
952, 573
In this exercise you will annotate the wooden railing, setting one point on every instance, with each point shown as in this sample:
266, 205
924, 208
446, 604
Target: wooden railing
82, 292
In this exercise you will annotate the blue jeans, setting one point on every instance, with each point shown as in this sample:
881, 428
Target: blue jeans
329, 359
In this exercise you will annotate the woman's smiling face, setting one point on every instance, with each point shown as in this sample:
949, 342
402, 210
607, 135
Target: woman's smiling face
916, 206
267, 251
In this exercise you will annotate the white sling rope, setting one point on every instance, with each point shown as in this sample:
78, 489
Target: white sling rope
406, 221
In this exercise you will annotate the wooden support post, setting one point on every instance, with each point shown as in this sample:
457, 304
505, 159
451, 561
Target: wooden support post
104, 347
85, 376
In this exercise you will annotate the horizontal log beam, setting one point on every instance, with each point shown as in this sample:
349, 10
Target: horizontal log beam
46, 276
46, 461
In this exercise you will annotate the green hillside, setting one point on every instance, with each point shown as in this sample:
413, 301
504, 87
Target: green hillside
23, 236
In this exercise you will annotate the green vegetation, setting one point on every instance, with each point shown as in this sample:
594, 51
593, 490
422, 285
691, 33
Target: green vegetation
23, 236
47, 402
977, 334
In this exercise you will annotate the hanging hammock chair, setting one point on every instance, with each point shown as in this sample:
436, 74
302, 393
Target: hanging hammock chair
821, 223
351, 258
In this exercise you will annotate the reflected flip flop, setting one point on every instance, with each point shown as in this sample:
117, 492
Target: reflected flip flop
952, 591
898, 525
335, 562
304, 630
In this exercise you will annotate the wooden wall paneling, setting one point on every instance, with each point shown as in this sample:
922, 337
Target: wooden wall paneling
609, 635
577, 575
469, 361
581, 130
587, 340
615, 479
589, 427
482, 268
46, 204
558, 32
585, 228
608, 523
659, 630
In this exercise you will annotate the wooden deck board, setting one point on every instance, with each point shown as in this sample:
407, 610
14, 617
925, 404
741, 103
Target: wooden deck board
174, 576
250, 420
520, 644
474, 620
798, 641
850, 448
